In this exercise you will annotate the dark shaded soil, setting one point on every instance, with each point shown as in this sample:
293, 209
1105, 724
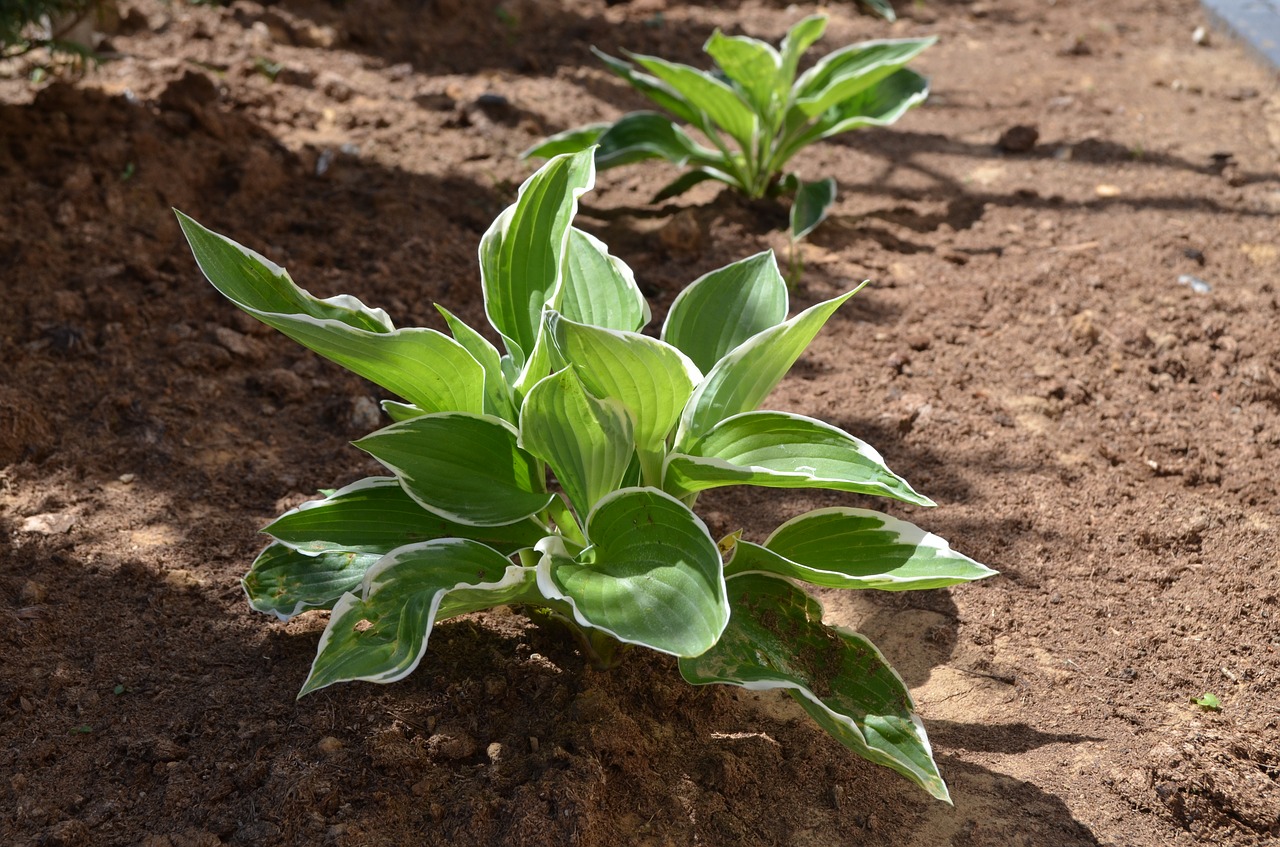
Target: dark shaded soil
1032, 354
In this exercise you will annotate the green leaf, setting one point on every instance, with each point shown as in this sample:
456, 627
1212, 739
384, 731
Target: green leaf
426, 368
400, 411
587, 442
726, 109
570, 141
1208, 701
648, 135
781, 450
722, 309
800, 38
285, 582
749, 62
851, 70
651, 87
858, 548
521, 255
883, 8
651, 379
599, 288
376, 515
880, 105
746, 375
776, 639
689, 179
464, 468
382, 636
813, 201
652, 575
497, 394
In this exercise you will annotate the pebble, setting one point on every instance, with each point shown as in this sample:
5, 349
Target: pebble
1018, 139
1198, 285
33, 593
329, 745
50, 523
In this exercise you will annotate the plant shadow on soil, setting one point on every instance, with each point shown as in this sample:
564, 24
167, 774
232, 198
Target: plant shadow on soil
502, 736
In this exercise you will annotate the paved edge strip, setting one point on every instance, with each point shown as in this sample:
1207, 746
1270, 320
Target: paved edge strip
1255, 22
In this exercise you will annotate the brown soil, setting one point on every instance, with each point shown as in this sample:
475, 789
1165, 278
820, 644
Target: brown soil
1097, 430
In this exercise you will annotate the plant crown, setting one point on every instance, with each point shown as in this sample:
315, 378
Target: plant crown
754, 111
633, 428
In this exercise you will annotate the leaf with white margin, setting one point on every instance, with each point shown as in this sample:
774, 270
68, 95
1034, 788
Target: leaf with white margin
497, 395
376, 515
382, 636
858, 548
880, 105
749, 62
776, 639
721, 309
651, 379
847, 72
652, 575
587, 442
745, 376
464, 468
783, 450
423, 366
599, 288
811, 206
285, 582
400, 411
718, 101
799, 38
521, 254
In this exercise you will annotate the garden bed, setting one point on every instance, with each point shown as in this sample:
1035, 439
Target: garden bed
1069, 342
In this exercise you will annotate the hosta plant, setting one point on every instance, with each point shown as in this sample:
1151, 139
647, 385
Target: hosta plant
631, 428
754, 112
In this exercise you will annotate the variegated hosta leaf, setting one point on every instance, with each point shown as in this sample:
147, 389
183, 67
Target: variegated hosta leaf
812, 202
497, 393
570, 141
750, 63
599, 288
651, 379
692, 177
376, 515
776, 639
521, 253
423, 366
851, 70
746, 375
647, 135
858, 548
285, 582
464, 468
726, 109
721, 309
781, 450
799, 38
651, 577
400, 411
587, 442
879, 105
381, 636
655, 89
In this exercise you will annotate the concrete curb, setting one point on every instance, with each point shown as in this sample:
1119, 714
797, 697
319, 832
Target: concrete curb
1255, 22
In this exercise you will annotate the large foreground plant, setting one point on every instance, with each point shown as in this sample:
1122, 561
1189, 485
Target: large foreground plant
754, 112
633, 428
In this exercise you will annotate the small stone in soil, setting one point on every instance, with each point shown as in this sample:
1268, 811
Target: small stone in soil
1018, 139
